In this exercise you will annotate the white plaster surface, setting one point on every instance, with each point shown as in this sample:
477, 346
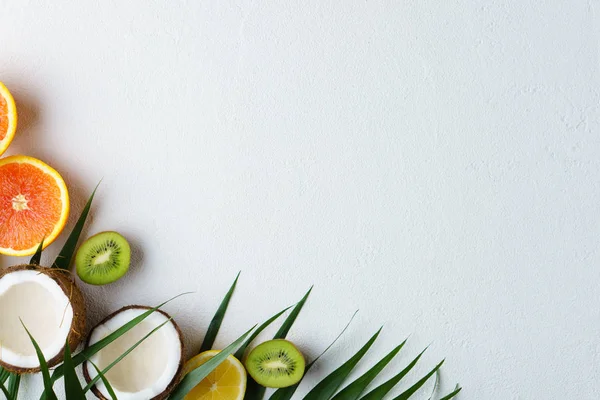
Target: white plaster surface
434, 164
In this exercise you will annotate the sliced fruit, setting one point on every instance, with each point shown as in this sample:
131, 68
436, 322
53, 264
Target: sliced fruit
50, 306
103, 258
148, 372
8, 118
226, 382
34, 205
276, 364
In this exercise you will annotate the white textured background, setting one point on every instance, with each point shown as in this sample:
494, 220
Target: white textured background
433, 163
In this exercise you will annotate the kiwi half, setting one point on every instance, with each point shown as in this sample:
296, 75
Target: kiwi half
103, 258
276, 364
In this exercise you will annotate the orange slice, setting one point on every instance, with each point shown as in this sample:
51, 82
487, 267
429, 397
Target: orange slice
8, 118
34, 205
226, 382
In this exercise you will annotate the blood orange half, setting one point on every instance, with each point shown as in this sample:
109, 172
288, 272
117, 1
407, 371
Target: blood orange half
34, 205
8, 118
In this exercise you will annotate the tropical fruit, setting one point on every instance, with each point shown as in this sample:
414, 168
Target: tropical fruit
8, 118
276, 364
151, 370
48, 303
34, 205
226, 382
103, 258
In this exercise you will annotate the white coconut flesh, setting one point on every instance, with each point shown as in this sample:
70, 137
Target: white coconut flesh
38, 301
148, 370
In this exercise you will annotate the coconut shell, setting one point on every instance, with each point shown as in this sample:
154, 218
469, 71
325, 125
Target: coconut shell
165, 393
64, 279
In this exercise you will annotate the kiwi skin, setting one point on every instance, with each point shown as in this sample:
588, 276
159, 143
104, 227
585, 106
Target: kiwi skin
104, 244
277, 350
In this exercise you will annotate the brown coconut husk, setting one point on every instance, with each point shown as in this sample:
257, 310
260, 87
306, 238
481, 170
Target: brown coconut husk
66, 282
165, 393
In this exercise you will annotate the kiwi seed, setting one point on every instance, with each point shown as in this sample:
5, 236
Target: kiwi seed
103, 258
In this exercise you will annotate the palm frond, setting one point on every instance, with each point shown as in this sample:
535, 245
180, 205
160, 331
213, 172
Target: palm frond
410, 391
37, 257
254, 391
215, 323
109, 388
50, 395
456, 391
288, 392
14, 381
192, 378
73, 389
380, 391
356, 388
325, 389
63, 260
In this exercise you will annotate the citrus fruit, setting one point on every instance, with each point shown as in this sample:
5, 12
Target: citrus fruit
8, 118
34, 205
226, 382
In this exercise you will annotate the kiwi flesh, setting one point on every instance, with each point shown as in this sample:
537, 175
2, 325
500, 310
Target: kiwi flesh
103, 258
276, 364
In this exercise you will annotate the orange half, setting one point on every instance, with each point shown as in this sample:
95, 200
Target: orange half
8, 118
34, 205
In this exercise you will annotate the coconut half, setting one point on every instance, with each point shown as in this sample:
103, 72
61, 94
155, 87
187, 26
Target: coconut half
152, 370
51, 307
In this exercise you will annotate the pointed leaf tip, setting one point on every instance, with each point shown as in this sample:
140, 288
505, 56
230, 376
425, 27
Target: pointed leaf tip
217, 320
37, 257
63, 260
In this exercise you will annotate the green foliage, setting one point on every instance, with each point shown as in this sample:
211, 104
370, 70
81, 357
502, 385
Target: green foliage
105, 381
288, 392
328, 386
356, 388
215, 324
122, 356
383, 389
240, 353
326, 389
14, 382
50, 395
254, 391
192, 378
410, 391
37, 257
73, 389
452, 394
63, 260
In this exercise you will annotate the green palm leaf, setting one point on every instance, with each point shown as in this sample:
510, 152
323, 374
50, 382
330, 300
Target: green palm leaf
5, 391
4, 375
192, 378
129, 350
410, 391
451, 395
13, 385
380, 391
99, 345
328, 386
288, 392
356, 388
50, 395
215, 324
240, 353
63, 260
73, 389
109, 388
37, 257
254, 391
